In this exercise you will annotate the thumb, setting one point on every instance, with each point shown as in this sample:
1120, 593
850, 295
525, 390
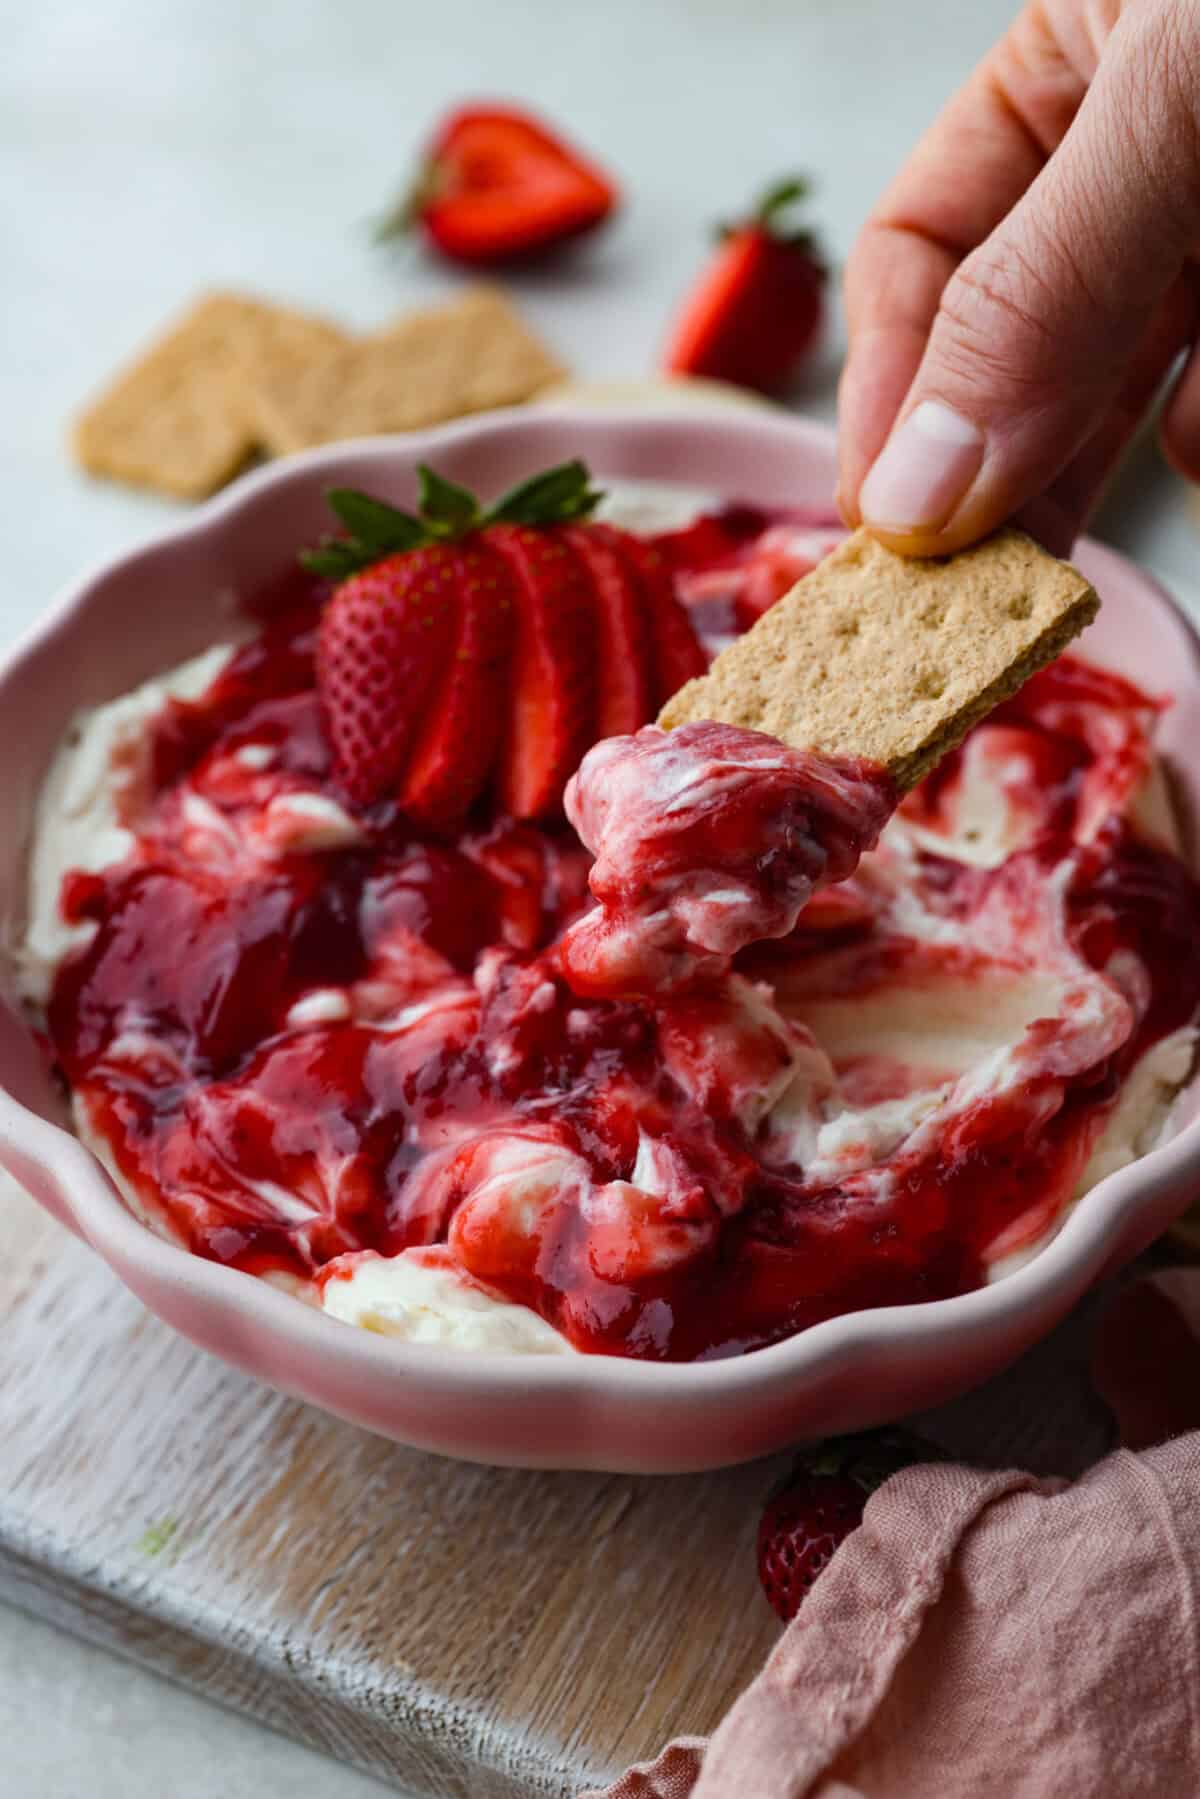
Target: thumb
1038, 328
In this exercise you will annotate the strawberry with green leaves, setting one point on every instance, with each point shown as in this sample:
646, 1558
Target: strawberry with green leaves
466, 648
388, 649
822, 1499
756, 311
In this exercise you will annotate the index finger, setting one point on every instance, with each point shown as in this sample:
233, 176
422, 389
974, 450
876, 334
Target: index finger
967, 172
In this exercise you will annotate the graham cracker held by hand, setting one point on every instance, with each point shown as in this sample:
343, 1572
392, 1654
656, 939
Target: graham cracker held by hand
467, 357
174, 421
890, 658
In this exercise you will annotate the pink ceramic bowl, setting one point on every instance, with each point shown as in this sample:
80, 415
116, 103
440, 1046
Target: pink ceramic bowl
159, 604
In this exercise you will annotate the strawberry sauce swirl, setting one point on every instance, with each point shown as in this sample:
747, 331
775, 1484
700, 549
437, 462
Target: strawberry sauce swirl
688, 1122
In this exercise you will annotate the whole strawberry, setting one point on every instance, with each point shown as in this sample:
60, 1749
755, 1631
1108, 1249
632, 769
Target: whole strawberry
820, 1502
756, 311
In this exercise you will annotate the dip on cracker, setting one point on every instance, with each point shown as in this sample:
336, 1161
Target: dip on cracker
780, 766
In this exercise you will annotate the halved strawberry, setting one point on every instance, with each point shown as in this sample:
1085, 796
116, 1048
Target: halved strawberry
624, 665
678, 654
552, 703
383, 641
497, 185
452, 756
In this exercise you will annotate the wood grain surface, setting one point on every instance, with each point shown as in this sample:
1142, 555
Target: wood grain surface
457, 1630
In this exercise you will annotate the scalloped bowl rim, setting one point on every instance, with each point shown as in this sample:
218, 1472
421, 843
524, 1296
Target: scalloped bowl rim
30, 1143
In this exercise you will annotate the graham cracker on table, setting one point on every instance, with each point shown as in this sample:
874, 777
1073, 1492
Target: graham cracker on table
891, 658
174, 420
469, 356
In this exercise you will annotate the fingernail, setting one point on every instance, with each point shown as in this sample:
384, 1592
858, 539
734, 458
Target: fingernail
923, 470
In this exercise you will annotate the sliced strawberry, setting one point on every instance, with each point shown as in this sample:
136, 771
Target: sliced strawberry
624, 659
552, 703
383, 642
677, 651
455, 632
497, 186
452, 756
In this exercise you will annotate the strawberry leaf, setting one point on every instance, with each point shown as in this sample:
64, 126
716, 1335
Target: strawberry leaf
404, 214
334, 558
867, 1458
373, 529
552, 498
775, 214
780, 196
376, 524
446, 507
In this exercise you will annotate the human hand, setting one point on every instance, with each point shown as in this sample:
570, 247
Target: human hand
1024, 285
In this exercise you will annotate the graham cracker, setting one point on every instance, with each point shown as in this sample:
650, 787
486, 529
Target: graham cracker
429, 366
173, 420
891, 658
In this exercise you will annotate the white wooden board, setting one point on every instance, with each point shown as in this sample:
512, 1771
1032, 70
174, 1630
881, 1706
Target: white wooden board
458, 1630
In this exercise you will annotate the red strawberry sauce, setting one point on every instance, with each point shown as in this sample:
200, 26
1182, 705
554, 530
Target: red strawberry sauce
707, 839
296, 1054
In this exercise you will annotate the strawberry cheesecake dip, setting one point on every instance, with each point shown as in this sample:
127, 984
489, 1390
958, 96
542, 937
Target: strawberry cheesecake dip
392, 955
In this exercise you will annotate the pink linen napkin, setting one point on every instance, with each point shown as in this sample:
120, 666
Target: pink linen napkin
993, 1633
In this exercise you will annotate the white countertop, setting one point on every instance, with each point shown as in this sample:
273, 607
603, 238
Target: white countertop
154, 147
